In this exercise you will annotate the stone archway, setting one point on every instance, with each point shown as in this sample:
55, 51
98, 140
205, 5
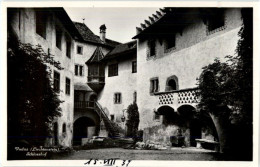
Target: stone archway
190, 125
83, 128
170, 117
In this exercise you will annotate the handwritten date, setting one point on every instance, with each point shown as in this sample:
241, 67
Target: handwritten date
109, 162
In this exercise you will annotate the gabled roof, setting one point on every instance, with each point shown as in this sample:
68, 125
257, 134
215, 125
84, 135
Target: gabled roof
172, 20
86, 33
122, 50
96, 57
89, 36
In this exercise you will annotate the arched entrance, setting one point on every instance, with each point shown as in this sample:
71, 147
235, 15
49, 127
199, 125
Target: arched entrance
190, 123
169, 116
83, 128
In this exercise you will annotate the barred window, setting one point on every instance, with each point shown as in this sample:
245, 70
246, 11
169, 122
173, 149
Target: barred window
79, 70
117, 98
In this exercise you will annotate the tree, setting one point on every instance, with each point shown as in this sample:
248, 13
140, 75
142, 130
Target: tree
132, 121
33, 104
230, 84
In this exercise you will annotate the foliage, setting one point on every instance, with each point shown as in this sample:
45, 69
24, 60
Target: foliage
32, 102
230, 83
132, 121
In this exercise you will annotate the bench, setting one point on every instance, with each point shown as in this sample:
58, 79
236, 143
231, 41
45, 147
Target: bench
208, 144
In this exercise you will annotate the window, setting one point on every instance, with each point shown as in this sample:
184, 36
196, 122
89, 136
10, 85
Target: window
79, 50
216, 19
170, 42
79, 70
135, 97
41, 23
134, 67
67, 86
154, 85
68, 47
117, 98
151, 46
64, 128
76, 70
113, 70
58, 37
56, 81
112, 117
93, 70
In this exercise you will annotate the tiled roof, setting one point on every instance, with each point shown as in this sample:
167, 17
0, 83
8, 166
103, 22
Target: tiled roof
82, 86
89, 36
96, 57
112, 43
151, 20
122, 50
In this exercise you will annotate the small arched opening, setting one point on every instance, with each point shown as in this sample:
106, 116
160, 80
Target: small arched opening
172, 83
83, 128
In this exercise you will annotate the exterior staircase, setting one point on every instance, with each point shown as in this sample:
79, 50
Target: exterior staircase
113, 130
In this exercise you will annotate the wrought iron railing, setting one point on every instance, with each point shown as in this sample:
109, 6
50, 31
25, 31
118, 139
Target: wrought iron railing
84, 104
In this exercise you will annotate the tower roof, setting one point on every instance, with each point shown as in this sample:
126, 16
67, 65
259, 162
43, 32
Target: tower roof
96, 56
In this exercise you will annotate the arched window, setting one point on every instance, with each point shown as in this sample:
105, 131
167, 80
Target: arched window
172, 83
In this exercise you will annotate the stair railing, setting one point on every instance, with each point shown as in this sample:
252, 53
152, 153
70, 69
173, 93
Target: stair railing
104, 116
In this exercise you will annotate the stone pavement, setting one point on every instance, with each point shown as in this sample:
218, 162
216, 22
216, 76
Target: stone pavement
190, 153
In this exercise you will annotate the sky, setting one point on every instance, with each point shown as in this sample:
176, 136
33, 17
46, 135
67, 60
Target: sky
121, 22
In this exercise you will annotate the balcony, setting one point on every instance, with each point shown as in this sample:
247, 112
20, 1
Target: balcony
176, 98
96, 82
100, 79
84, 104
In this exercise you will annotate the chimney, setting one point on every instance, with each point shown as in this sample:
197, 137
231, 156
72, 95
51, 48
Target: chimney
103, 32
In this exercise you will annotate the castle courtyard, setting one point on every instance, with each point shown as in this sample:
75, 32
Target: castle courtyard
175, 153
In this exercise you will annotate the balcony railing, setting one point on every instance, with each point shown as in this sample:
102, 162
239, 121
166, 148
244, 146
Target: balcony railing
178, 97
100, 79
84, 104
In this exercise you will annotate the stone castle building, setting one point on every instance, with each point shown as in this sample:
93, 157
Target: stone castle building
158, 71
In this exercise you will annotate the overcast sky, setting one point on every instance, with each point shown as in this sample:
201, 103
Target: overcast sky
120, 22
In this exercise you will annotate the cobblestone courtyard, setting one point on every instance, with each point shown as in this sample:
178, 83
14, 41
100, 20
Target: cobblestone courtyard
120, 153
